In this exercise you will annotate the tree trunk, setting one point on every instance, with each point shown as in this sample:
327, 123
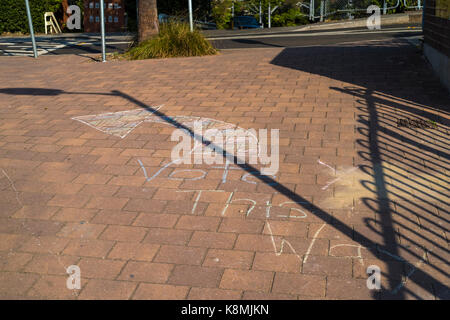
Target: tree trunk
148, 20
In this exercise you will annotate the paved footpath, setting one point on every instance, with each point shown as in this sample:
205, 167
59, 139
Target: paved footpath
353, 188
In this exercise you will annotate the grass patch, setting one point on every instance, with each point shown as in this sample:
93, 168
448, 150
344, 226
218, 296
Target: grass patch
174, 40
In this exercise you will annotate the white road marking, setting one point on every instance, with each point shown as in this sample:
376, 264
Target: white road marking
331, 33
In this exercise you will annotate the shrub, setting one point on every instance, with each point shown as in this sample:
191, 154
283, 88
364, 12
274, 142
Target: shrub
174, 40
292, 17
13, 16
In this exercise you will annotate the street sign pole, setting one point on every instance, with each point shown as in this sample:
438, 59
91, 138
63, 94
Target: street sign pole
30, 24
102, 23
191, 22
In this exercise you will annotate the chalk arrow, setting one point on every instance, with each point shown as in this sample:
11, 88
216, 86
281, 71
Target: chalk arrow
121, 123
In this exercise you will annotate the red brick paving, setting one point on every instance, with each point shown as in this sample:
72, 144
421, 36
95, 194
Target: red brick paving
72, 195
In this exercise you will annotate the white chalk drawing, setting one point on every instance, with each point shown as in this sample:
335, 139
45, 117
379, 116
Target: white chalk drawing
340, 174
199, 194
267, 206
239, 142
11, 183
217, 141
175, 172
328, 166
413, 269
305, 257
256, 173
304, 215
225, 168
283, 242
252, 206
358, 246
37, 236
227, 204
359, 256
121, 123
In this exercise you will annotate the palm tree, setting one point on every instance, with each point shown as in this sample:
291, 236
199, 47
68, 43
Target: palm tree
148, 20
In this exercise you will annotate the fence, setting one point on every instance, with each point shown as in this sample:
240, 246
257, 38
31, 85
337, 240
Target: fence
321, 9
330, 9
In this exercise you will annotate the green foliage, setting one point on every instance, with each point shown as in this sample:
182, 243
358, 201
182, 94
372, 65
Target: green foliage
174, 40
13, 16
221, 13
287, 13
292, 17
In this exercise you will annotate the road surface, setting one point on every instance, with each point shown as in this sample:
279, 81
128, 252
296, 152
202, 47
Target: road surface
90, 44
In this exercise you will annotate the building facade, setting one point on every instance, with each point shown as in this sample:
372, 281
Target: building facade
114, 16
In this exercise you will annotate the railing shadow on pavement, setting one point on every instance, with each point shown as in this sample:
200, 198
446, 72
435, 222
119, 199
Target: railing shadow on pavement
408, 167
346, 229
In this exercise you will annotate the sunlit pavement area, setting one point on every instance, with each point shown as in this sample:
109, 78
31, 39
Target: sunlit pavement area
354, 188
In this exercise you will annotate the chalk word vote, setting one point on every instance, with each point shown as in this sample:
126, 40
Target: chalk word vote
201, 174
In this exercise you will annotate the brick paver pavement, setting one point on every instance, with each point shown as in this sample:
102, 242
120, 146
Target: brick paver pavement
363, 191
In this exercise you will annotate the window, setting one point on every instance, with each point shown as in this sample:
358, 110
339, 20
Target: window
97, 19
116, 19
110, 19
91, 19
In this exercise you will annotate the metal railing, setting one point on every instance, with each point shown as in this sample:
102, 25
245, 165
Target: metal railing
320, 9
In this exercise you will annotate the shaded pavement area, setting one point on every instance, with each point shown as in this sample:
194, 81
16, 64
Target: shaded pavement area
353, 189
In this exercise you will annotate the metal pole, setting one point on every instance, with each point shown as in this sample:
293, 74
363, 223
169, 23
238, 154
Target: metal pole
232, 16
137, 13
384, 7
270, 22
260, 13
191, 22
30, 24
423, 12
321, 10
102, 25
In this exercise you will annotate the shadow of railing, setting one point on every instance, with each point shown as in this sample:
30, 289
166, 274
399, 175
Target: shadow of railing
408, 167
386, 207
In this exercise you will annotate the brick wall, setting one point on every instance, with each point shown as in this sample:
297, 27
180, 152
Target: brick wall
436, 25
114, 15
